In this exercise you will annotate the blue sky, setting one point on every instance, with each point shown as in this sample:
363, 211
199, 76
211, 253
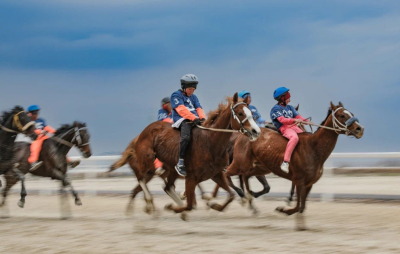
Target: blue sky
109, 63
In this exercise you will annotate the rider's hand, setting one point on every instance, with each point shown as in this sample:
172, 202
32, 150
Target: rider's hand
197, 121
44, 132
202, 120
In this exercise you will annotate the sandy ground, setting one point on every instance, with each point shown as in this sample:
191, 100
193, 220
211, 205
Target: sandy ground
100, 226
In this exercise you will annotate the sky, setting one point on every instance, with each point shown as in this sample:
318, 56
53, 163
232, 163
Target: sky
109, 63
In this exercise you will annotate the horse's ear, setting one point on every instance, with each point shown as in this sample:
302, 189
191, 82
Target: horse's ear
340, 104
333, 107
235, 98
297, 107
246, 100
84, 124
76, 124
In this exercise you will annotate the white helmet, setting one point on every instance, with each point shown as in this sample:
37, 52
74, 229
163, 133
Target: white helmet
189, 80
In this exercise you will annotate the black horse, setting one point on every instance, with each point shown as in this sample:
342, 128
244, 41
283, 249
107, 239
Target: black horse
53, 155
12, 123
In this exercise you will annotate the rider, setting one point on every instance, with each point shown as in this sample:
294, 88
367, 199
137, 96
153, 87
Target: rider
285, 118
165, 113
41, 130
186, 110
256, 115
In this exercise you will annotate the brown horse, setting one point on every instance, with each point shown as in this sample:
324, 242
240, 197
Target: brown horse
308, 158
206, 156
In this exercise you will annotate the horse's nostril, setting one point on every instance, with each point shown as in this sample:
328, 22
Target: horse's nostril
254, 132
358, 128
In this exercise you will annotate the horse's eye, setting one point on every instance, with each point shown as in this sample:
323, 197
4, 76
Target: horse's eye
241, 114
342, 116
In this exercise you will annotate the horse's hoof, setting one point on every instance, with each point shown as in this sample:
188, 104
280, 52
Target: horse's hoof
184, 216
21, 204
129, 210
182, 196
255, 212
280, 209
148, 209
243, 201
206, 197
168, 207
78, 202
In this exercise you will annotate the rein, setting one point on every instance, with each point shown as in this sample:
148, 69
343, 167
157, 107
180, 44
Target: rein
242, 129
77, 137
337, 126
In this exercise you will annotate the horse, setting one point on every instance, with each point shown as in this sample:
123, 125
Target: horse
206, 156
12, 123
53, 155
308, 158
129, 156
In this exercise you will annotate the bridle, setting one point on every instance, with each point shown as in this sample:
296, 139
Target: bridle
17, 123
76, 137
242, 130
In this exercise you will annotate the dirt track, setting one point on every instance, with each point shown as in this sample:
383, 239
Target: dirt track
100, 226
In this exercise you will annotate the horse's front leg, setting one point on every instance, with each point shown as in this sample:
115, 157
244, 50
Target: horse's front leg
222, 182
20, 176
266, 187
301, 193
57, 174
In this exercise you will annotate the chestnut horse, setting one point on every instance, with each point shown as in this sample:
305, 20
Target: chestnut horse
206, 156
307, 160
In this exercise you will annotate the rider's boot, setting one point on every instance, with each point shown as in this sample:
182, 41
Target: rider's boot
180, 168
285, 167
35, 165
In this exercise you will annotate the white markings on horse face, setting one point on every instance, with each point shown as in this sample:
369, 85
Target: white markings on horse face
347, 113
253, 124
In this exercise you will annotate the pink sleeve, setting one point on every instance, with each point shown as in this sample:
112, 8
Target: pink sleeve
285, 121
185, 113
300, 117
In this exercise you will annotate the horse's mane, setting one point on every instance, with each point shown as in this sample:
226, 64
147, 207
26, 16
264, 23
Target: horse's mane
326, 118
212, 115
63, 128
7, 114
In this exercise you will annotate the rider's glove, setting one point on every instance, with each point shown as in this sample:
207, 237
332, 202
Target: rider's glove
197, 121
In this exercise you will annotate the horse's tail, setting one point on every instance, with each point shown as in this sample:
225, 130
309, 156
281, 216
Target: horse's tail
126, 155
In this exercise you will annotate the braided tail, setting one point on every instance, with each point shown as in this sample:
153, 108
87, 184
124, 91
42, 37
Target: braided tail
126, 155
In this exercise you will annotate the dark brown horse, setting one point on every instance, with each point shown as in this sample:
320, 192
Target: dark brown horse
308, 158
53, 155
206, 157
12, 123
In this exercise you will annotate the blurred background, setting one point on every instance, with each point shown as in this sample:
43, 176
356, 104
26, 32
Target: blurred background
109, 63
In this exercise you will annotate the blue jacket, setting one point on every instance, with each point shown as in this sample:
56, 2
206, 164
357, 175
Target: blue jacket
278, 111
40, 123
179, 98
162, 114
257, 116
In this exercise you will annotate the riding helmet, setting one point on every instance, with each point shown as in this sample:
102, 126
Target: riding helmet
243, 94
189, 80
33, 108
279, 92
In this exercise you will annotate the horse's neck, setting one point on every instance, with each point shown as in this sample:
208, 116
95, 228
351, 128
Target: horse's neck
324, 140
221, 139
67, 136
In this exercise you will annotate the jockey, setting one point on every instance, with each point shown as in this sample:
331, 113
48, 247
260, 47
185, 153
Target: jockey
285, 118
186, 109
165, 113
256, 115
41, 130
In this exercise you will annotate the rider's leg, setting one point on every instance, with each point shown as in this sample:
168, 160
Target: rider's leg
185, 129
73, 163
290, 134
158, 165
36, 146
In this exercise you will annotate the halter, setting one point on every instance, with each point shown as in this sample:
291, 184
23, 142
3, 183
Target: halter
242, 129
17, 123
76, 137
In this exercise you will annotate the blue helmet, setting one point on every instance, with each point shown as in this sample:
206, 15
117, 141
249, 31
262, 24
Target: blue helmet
33, 108
279, 92
243, 94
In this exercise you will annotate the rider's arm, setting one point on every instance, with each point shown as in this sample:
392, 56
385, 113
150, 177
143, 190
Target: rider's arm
185, 113
286, 121
200, 112
301, 118
49, 129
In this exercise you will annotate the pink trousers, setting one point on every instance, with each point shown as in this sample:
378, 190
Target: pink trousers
291, 134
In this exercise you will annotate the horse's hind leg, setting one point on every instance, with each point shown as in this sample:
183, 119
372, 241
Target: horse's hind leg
10, 181
266, 189
222, 182
290, 198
